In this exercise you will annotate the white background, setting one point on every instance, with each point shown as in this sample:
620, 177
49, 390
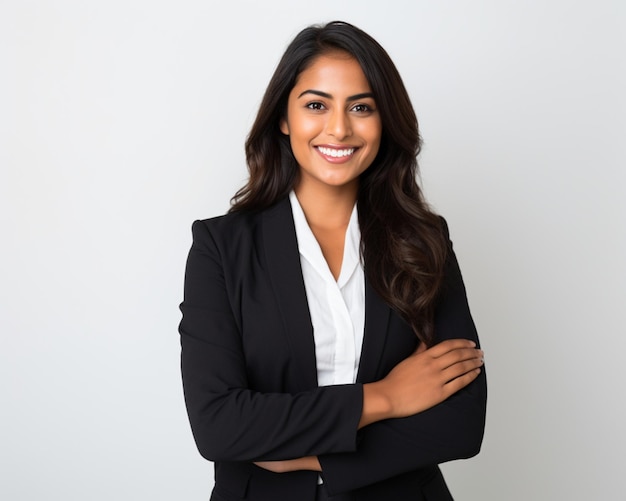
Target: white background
123, 121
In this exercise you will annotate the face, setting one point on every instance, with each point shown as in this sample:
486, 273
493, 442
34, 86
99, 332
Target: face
332, 123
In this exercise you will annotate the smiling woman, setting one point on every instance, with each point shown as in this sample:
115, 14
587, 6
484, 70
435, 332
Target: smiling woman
332, 123
328, 350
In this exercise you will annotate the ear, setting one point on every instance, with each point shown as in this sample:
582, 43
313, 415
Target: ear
284, 126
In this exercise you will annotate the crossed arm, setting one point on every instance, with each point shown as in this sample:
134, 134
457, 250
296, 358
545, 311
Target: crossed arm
421, 381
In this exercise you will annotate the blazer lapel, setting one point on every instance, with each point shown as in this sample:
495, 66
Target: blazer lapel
375, 336
283, 259
285, 271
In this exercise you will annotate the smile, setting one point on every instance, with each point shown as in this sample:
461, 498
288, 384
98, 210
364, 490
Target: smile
335, 153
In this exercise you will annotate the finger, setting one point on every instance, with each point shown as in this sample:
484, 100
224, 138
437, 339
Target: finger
451, 387
456, 356
461, 368
448, 345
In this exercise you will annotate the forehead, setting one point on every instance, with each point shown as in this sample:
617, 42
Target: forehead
333, 70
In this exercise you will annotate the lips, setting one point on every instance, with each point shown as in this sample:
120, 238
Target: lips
335, 152
335, 155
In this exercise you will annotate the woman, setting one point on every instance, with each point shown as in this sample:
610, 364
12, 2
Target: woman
328, 351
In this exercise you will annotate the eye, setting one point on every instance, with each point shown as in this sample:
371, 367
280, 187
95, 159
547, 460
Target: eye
315, 106
362, 108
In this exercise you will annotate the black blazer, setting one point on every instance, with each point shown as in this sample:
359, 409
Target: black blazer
250, 379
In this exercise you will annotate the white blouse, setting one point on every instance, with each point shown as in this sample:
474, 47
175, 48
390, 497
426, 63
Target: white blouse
337, 307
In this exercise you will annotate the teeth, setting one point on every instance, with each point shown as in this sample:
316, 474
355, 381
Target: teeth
332, 152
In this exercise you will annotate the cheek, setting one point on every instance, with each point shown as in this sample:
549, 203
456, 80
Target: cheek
371, 133
304, 128
368, 127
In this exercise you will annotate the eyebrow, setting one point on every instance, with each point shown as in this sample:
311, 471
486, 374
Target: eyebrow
363, 95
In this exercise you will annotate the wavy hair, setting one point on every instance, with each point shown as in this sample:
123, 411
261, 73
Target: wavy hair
403, 243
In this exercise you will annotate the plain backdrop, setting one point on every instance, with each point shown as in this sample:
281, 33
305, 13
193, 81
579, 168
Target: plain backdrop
123, 121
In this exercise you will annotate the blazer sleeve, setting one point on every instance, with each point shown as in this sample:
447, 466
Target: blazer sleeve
229, 421
451, 430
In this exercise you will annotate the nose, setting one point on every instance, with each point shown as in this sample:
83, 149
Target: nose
338, 124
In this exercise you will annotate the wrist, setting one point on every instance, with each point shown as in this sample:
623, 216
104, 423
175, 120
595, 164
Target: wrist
376, 404
310, 463
314, 464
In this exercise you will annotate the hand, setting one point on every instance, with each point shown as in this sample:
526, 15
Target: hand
421, 381
306, 463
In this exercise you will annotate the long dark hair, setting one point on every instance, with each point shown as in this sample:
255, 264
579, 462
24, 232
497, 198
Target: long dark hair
403, 244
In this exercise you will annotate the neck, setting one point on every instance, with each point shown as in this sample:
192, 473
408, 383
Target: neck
328, 209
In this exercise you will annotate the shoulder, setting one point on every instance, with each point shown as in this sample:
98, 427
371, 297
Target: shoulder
225, 233
227, 224
239, 228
